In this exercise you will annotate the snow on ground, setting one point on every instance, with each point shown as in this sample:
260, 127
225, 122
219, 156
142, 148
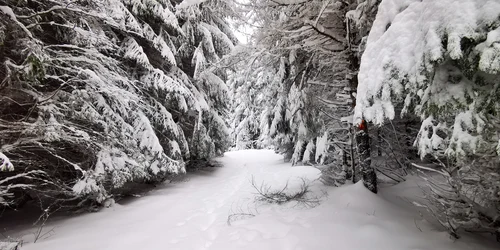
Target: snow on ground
193, 215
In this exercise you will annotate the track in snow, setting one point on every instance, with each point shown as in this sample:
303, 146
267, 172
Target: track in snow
193, 215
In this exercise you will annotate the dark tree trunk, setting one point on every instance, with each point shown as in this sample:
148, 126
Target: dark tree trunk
379, 142
363, 145
354, 169
346, 164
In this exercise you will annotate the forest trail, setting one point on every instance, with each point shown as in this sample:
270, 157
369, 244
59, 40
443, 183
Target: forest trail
193, 214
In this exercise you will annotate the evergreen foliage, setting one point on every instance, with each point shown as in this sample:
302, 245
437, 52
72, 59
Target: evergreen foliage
307, 54
95, 95
440, 61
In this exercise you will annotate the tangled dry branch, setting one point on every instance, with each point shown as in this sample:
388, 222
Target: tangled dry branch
284, 195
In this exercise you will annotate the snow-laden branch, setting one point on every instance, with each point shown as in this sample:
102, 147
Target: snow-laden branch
8, 11
45, 12
289, 2
324, 31
27, 175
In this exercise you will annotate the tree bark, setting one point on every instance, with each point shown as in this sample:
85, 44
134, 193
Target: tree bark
368, 173
354, 169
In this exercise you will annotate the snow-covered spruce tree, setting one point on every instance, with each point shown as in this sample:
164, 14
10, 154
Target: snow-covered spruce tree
256, 83
207, 38
97, 95
294, 42
441, 61
358, 23
313, 48
390, 145
250, 96
268, 74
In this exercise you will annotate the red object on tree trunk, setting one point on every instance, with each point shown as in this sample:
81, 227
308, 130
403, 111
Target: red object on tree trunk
362, 125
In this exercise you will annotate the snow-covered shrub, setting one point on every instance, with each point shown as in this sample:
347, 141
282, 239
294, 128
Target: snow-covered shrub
440, 60
99, 94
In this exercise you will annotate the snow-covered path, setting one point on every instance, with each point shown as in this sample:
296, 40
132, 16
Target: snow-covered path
193, 215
